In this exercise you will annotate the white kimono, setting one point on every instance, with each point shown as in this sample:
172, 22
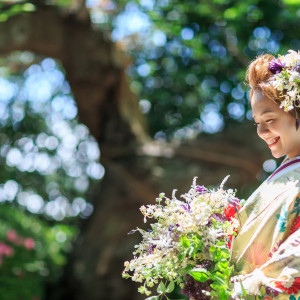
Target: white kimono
268, 241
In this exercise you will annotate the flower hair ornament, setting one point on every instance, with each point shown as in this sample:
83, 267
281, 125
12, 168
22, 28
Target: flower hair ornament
286, 79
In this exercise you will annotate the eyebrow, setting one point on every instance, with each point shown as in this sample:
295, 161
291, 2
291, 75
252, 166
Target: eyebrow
264, 112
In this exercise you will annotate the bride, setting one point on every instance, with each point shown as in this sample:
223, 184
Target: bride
266, 250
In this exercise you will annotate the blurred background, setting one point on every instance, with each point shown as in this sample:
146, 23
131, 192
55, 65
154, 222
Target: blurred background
106, 103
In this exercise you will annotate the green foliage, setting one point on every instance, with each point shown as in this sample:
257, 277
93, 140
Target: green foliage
161, 289
41, 139
220, 273
199, 274
36, 253
191, 68
65, 3
192, 245
292, 2
9, 9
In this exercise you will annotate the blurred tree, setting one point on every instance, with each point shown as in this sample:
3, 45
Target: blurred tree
187, 69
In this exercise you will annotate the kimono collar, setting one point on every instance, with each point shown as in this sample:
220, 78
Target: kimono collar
286, 163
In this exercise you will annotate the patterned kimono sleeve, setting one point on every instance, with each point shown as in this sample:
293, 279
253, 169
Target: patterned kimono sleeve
282, 271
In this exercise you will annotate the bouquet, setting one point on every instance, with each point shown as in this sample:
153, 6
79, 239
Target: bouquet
188, 245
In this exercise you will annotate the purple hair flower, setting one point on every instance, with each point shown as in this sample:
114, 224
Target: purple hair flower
276, 66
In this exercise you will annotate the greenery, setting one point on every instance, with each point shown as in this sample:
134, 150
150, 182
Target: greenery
36, 252
190, 65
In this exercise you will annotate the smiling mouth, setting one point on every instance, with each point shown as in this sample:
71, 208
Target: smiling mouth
273, 142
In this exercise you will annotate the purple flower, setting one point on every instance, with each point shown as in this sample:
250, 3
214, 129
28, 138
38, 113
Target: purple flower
201, 189
276, 66
151, 248
234, 201
271, 291
218, 217
186, 208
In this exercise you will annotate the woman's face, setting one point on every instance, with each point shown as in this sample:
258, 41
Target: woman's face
275, 126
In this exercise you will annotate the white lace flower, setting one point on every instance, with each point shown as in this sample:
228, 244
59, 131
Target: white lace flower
286, 77
294, 75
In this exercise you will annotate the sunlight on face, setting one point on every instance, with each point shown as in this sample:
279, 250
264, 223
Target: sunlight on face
275, 126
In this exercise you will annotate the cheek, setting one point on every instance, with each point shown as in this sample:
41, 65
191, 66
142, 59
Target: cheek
280, 128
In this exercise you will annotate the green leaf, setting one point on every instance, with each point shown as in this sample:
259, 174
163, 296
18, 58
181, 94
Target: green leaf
125, 275
202, 277
180, 256
291, 2
231, 13
63, 2
218, 278
244, 291
170, 287
161, 288
188, 268
199, 274
161, 195
223, 265
191, 251
202, 270
212, 249
185, 242
214, 222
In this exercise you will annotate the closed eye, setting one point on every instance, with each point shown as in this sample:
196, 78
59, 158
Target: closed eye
267, 121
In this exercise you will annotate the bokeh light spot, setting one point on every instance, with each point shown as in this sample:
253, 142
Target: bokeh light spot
269, 165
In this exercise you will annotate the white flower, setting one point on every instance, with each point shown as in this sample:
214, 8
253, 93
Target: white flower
288, 80
292, 94
214, 234
294, 75
287, 284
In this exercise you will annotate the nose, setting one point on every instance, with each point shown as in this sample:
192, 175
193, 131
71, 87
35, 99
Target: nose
262, 129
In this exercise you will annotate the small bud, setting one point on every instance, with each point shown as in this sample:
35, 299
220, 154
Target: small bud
125, 275
242, 202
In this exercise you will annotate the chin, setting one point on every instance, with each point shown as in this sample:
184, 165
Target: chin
277, 155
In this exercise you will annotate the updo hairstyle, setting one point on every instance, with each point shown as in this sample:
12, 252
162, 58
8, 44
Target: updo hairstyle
259, 78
